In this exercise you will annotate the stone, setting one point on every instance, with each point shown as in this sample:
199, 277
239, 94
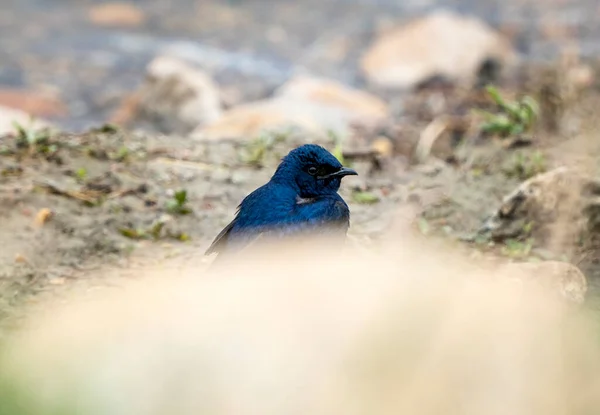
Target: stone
43, 216
249, 120
383, 147
116, 15
9, 116
356, 103
443, 44
36, 103
310, 104
177, 96
554, 207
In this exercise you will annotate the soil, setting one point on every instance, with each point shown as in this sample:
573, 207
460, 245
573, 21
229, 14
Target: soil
107, 192
86, 209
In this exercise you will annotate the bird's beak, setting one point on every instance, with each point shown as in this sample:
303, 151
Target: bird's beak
344, 171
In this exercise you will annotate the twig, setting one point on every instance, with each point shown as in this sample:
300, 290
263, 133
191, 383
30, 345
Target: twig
197, 165
428, 137
91, 198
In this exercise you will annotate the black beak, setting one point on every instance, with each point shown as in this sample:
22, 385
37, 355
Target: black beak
344, 171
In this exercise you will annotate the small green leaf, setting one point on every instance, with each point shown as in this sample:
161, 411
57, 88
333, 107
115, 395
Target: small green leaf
156, 229
177, 204
181, 197
365, 197
131, 233
107, 129
171, 205
493, 92
338, 153
182, 237
513, 110
423, 225
513, 118
338, 150
517, 249
81, 173
184, 210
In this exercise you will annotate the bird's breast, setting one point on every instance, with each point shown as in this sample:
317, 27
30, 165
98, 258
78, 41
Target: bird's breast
305, 200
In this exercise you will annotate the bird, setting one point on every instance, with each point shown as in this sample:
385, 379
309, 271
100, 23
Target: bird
300, 198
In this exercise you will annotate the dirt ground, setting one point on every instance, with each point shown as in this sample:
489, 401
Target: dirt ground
81, 205
84, 209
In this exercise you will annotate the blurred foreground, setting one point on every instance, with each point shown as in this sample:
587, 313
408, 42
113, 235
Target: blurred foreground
412, 328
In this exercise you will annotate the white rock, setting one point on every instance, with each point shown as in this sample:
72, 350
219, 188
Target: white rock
558, 208
328, 93
179, 95
312, 104
544, 199
8, 116
442, 44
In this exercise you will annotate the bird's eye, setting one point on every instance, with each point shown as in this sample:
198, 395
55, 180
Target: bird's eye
312, 170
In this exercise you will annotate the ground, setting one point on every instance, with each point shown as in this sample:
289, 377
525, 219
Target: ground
84, 209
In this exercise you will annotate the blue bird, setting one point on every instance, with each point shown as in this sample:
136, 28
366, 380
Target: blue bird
300, 198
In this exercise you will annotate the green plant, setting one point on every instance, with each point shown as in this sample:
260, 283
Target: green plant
36, 140
338, 150
155, 232
424, 226
526, 165
517, 249
257, 150
121, 154
177, 204
107, 129
364, 197
81, 174
513, 118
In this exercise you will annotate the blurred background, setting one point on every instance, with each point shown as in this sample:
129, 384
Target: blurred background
77, 62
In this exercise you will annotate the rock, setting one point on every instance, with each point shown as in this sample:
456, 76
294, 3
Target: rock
443, 44
383, 147
35, 103
249, 120
560, 87
177, 96
116, 15
554, 207
21, 259
311, 104
9, 116
43, 216
127, 110
563, 278
357, 104
429, 136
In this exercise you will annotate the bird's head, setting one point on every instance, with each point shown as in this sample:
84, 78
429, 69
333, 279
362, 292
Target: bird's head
313, 170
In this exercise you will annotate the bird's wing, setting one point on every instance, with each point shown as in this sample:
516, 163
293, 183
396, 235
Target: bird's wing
243, 242
247, 228
220, 240
323, 215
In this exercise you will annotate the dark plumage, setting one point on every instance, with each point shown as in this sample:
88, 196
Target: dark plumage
300, 198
